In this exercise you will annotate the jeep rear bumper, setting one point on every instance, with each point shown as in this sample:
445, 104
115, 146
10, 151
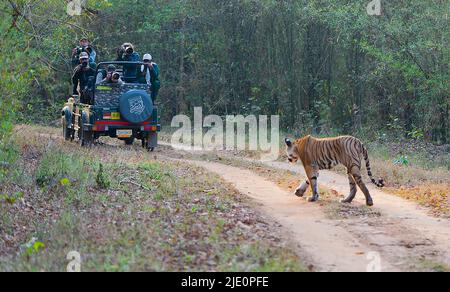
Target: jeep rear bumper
138, 131
105, 126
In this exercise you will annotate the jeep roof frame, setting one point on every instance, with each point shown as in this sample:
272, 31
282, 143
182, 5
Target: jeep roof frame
116, 63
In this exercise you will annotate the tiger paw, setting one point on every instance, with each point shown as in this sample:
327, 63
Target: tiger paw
349, 200
313, 199
299, 193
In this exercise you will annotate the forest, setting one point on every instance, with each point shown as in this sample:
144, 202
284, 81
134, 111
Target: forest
79, 192
326, 67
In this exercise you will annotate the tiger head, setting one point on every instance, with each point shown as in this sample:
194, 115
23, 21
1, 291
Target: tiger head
292, 152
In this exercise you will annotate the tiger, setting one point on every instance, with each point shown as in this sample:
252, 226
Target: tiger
320, 154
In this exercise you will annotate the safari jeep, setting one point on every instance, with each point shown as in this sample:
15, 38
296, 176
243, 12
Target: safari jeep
123, 111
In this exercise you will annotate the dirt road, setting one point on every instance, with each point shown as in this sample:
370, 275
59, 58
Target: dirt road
323, 242
404, 236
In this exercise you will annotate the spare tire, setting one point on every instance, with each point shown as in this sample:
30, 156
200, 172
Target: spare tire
136, 106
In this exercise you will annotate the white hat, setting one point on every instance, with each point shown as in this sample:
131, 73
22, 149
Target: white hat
147, 57
84, 55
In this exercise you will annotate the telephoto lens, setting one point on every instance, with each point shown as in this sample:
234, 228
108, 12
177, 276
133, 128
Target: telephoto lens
129, 50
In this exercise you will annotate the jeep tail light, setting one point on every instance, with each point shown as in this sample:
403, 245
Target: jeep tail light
98, 128
150, 128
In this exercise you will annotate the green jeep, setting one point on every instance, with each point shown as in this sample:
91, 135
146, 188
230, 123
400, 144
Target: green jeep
124, 111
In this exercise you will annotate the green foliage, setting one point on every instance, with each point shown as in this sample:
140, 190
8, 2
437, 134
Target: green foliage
14, 79
324, 66
153, 171
102, 179
33, 247
65, 182
402, 160
53, 168
65, 170
416, 134
11, 199
8, 156
37, 39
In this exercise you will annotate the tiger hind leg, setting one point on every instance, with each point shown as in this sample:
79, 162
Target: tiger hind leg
353, 190
356, 172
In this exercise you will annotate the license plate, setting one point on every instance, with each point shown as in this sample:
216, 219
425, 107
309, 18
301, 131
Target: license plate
124, 133
115, 116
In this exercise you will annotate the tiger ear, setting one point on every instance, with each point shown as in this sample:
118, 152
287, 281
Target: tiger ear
288, 142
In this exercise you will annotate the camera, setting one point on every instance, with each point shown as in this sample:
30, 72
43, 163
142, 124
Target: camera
115, 76
129, 50
88, 50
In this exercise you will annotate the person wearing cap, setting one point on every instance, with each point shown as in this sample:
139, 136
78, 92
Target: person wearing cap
84, 46
111, 76
81, 76
149, 74
127, 53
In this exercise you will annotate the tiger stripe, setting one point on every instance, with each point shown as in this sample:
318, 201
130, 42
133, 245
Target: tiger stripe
319, 154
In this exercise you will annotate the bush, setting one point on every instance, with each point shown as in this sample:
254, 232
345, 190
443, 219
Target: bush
56, 168
102, 179
8, 156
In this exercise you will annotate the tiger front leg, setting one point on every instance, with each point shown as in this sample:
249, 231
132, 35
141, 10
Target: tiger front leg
313, 175
315, 190
301, 190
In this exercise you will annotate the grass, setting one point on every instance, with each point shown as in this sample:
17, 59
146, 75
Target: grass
123, 211
431, 266
416, 172
408, 167
434, 197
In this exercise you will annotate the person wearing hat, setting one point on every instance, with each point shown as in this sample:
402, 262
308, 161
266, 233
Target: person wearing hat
127, 53
149, 74
81, 76
111, 76
84, 46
